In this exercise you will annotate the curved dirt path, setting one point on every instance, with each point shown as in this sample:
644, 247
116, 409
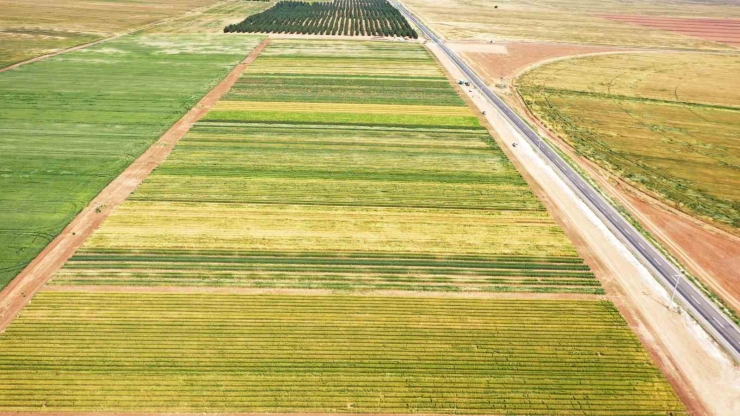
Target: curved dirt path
19, 292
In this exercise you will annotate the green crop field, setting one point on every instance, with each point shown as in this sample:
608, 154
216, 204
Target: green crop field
72, 123
326, 354
366, 192
666, 123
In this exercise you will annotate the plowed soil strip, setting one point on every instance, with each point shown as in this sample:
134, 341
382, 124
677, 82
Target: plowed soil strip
321, 292
19, 292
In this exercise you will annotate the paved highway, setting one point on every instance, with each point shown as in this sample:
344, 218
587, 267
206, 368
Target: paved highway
703, 310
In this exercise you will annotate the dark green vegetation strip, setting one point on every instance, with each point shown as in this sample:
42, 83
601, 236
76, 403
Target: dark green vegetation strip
338, 17
242, 353
72, 123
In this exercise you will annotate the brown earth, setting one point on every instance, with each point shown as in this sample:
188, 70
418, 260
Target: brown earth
20, 291
717, 30
494, 61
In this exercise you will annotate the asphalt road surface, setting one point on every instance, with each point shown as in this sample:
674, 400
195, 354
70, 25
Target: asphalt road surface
701, 308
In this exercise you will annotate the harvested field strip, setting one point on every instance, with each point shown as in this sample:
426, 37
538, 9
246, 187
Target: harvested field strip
72, 123
310, 270
97, 352
343, 108
395, 90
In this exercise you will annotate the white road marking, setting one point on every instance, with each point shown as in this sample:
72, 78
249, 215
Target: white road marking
720, 323
640, 244
695, 299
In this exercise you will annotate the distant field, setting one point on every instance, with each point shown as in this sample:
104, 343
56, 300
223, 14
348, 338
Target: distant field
326, 354
29, 28
570, 21
667, 123
214, 19
72, 123
385, 192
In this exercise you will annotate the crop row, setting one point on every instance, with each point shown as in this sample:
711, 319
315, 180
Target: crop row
72, 351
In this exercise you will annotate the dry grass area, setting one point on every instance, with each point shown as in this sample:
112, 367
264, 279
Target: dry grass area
570, 21
667, 123
214, 19
30, 28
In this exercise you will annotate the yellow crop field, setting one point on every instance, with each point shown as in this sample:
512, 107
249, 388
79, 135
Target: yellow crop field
666, 123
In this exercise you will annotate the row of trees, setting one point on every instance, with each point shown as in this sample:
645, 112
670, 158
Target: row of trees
339, 17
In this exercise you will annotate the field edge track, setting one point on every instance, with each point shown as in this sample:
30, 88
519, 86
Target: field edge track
41, 269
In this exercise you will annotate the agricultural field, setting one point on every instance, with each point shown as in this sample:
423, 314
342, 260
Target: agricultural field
325, 354
72, 123
363, 217
213, 19
262, 194
30, 28
338, 17
572, 21
666, 123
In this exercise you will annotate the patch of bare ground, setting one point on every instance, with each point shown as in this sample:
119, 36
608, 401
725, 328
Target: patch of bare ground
704, 378
494, 61
19, 292
710, 254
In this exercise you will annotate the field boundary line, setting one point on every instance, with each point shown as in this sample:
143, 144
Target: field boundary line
19, 292
114, 36
322, 292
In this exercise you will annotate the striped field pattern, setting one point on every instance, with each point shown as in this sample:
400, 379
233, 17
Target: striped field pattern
323, 261
211, 353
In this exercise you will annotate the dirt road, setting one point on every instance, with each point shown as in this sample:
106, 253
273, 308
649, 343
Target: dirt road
20, 291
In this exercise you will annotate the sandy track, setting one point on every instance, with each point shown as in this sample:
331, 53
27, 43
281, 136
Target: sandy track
320, 292
20, 291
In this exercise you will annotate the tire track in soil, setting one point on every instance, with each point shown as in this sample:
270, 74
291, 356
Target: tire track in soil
33, 277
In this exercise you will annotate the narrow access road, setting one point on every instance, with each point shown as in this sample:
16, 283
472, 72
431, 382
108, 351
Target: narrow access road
709, 316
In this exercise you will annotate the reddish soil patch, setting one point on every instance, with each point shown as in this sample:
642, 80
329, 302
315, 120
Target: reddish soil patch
19, 292
717, 30
508, 59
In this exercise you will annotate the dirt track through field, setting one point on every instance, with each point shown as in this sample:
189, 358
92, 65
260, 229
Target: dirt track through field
20, 291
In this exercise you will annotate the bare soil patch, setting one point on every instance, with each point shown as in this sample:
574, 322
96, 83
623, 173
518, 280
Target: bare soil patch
717, 30
494, 61
19, 292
